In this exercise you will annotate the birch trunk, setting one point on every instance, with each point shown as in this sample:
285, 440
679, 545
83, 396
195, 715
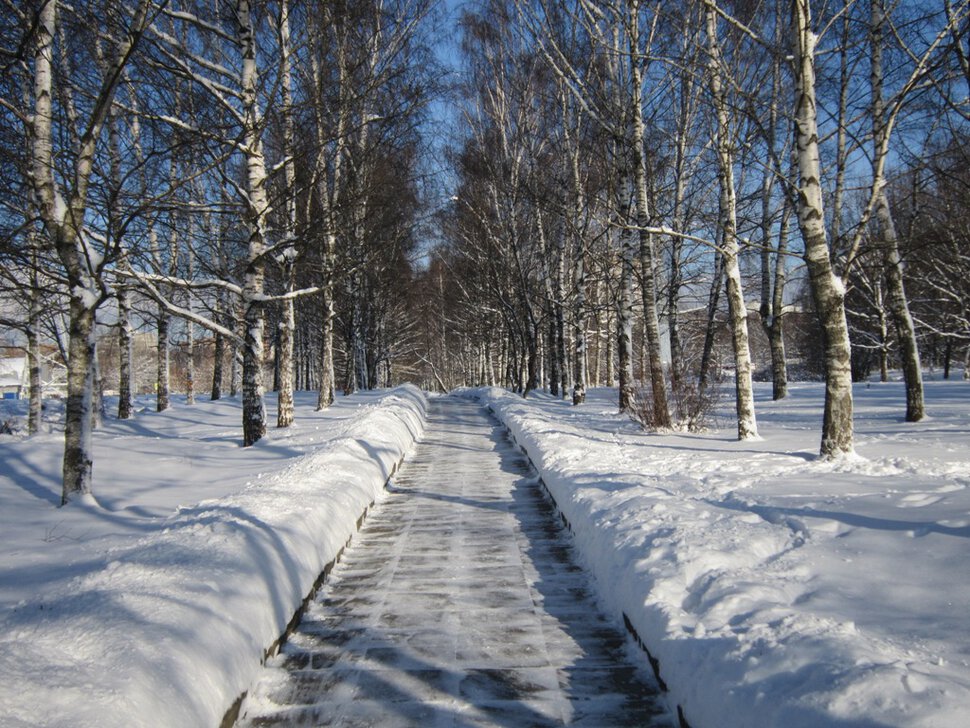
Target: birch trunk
123, 294
828, 290
327, 314
162, 322
97, 396
609, 354
79, 411
896, 291
737, 310
64, 220
550, 349
489, 366
773, 276
284, 394
560, 355
580, 377
624, 318
350, 365
189, 323
883, 333
899, 306
235, 354
579, 283
63, 226
713, 299
223, 314
36, 403
162, 361
541, 345
190, 346
218, 360
254, 413
532, 335
357, 375
328, 190
673, 292
775, 324
651, 323
687, 109
842, 134
164, 319
124, 353
550, 283
598, 336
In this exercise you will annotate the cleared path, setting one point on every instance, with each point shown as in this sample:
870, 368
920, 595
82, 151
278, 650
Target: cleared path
458, 604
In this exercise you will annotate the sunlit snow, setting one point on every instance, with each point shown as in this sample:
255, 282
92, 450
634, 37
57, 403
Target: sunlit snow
777, 589
774, 588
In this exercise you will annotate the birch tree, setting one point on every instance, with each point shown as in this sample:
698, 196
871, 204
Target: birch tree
287, 256
774, 258
328, 185
26, 285
737, 310
685, 89
828, 290
577, 225
63, 210
615, 31
651, 325
235, 93
498, 206
930, 199
886, 226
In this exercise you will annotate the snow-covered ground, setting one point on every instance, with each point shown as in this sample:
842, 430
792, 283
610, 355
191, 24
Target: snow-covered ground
776, 589
773, 588
154, 606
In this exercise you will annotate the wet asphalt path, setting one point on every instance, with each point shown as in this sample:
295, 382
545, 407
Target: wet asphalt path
459, 603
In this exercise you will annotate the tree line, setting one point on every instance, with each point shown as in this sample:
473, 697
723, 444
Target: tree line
625, 179
638, 160
213, 165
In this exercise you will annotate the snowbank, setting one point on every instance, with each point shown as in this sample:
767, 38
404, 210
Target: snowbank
165, 624
775, 589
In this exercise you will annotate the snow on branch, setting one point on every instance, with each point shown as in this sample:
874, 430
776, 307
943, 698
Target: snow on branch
146, 282
201, 24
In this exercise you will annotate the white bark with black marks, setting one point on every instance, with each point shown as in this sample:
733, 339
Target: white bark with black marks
886, 228
828, 290
580, 375
64, 219
284, 394
35, 308
737, 311
651, 319
257, 213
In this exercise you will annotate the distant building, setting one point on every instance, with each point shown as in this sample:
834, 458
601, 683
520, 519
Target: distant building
14, 377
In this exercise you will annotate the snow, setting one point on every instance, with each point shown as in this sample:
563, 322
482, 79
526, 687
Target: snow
775, 588
88, 295
142, 611
60, 207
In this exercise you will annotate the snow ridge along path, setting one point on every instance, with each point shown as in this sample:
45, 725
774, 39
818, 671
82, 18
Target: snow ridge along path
164, 621
458, 604
774, 588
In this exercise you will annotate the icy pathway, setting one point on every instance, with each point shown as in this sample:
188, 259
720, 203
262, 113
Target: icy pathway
458, 604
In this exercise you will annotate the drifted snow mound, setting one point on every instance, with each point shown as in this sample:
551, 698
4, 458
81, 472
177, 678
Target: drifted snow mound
773, 588
172, 629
